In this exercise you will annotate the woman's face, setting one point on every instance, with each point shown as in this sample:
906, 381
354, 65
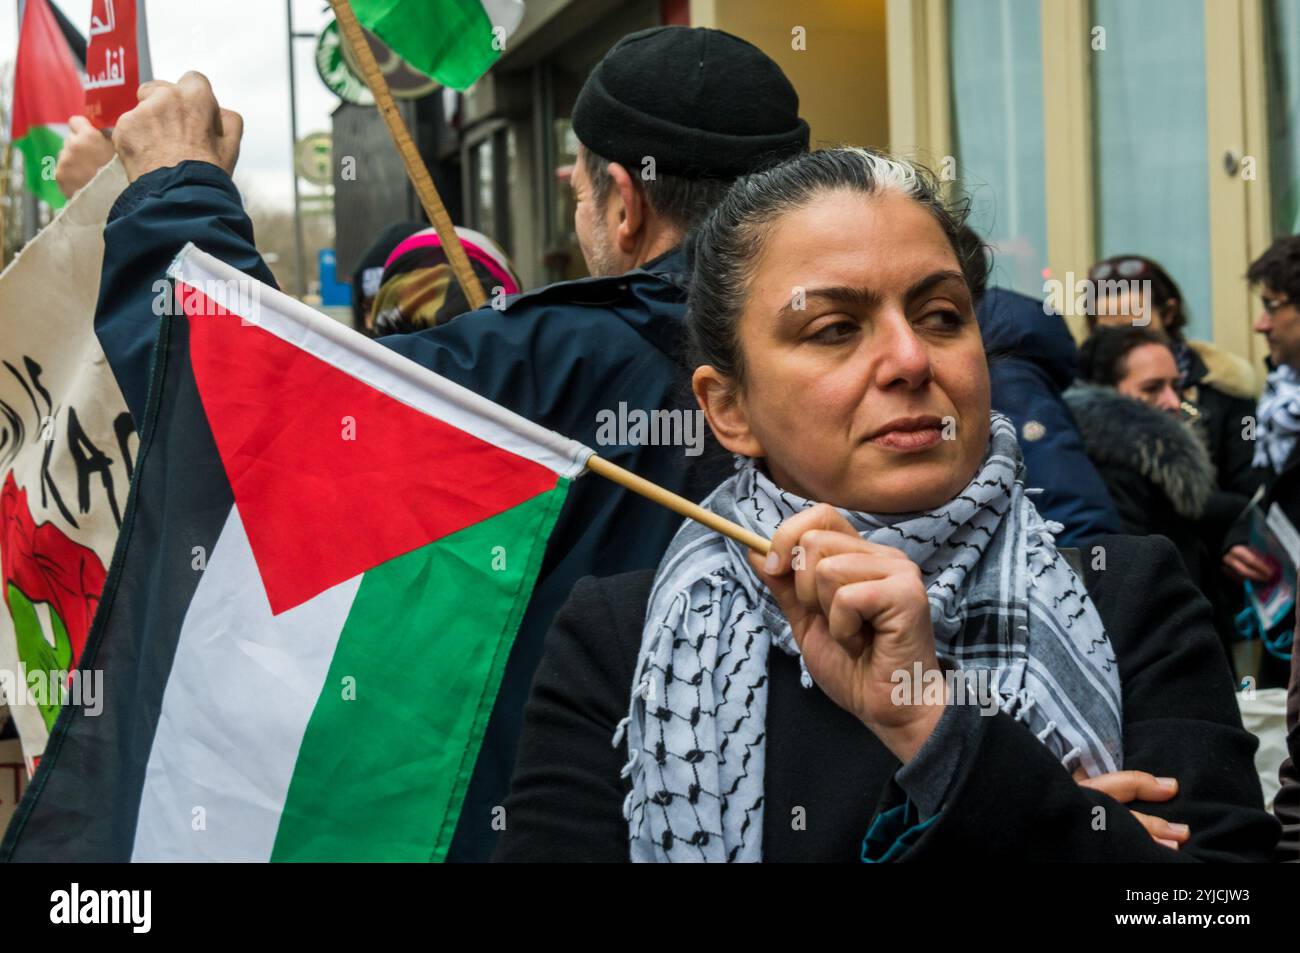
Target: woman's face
1151, 376
866, 384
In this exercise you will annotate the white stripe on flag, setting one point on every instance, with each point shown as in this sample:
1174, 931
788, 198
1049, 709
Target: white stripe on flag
504, 13
242, 688
375, 365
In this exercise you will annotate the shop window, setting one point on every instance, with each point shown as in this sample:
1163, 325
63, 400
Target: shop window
1282, 36
563, 259
1149, 139
492, 160
997, 101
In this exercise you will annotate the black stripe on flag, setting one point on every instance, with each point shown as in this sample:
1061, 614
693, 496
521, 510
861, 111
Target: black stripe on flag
83, 801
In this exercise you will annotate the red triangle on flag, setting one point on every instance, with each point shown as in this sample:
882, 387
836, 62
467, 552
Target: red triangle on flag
332, 476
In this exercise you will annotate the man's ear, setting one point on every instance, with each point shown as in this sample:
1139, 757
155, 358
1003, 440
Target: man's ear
724, 408
628, 229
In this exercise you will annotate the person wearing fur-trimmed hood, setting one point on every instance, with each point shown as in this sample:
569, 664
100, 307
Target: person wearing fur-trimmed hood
1128, 406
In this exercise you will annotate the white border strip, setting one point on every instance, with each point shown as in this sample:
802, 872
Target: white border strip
504, 13
375, 365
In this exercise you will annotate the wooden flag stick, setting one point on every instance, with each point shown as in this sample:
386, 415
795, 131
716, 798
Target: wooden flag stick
415, 168
678, 504
437, 213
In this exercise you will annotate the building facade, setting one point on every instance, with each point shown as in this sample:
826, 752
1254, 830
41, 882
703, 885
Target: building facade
1077, 128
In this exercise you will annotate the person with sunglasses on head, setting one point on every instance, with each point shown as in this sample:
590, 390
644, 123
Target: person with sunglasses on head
1135, 291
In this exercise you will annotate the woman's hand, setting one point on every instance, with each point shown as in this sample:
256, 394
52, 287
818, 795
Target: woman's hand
1242, 563
1126, 786
859, 614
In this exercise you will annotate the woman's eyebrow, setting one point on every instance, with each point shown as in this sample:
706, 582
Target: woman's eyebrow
839, 294
928, 282
865, 297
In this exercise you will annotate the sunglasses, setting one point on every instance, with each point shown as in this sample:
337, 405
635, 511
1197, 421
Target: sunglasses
1118, 267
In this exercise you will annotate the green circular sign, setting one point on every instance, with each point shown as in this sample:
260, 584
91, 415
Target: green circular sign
404, 81
334, 70
312, 158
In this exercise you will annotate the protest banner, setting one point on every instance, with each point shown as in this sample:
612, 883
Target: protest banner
117, 59
66, 445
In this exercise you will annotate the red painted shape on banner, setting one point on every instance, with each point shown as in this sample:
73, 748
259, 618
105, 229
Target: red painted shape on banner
47, 566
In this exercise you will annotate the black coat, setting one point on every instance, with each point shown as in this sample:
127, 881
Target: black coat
1221, 386
1011, 799
1281, 488
560, 355
1284, 490
1286, 804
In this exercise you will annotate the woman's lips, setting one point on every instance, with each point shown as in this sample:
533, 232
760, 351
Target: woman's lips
908, 440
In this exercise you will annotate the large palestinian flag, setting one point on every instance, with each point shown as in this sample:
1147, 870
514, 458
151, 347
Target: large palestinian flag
47, 91
324, 560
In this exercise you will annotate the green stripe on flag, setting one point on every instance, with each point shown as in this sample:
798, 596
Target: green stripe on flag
41, 143
450, 40
381, 775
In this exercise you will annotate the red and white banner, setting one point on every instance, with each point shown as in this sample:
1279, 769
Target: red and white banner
117, 59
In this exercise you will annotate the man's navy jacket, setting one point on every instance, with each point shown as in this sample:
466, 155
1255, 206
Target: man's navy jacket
1032, 359
558, 356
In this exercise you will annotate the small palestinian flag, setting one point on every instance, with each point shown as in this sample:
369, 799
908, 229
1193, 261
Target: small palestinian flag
454, 41
324, 561
47, 91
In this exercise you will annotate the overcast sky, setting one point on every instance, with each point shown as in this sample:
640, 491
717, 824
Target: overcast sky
241, 46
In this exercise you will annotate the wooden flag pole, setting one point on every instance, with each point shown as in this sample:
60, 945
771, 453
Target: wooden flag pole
678, 504
415, 168
433, 207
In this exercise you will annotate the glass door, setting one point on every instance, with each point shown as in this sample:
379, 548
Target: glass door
995, 49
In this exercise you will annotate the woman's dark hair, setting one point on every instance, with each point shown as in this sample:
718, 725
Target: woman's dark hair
1103, 359
1163, 289
1279, 267
732, 237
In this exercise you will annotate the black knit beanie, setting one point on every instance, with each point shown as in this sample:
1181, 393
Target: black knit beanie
702, 103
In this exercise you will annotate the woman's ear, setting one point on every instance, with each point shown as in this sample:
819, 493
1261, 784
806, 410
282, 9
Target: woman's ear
631, 214
1168, 311
724, 408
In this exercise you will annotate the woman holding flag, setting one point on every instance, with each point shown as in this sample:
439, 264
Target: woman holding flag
915, 670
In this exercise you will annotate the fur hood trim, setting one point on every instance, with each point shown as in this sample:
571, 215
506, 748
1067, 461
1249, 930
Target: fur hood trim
1119, 431
1226, 371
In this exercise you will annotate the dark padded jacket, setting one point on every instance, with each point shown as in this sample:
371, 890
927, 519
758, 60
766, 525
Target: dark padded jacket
559, 356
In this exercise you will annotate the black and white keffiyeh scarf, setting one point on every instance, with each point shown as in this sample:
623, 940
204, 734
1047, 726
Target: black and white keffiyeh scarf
1002, 599
1279, 418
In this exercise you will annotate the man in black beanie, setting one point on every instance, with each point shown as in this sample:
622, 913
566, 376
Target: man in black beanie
665, 123
667, 120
